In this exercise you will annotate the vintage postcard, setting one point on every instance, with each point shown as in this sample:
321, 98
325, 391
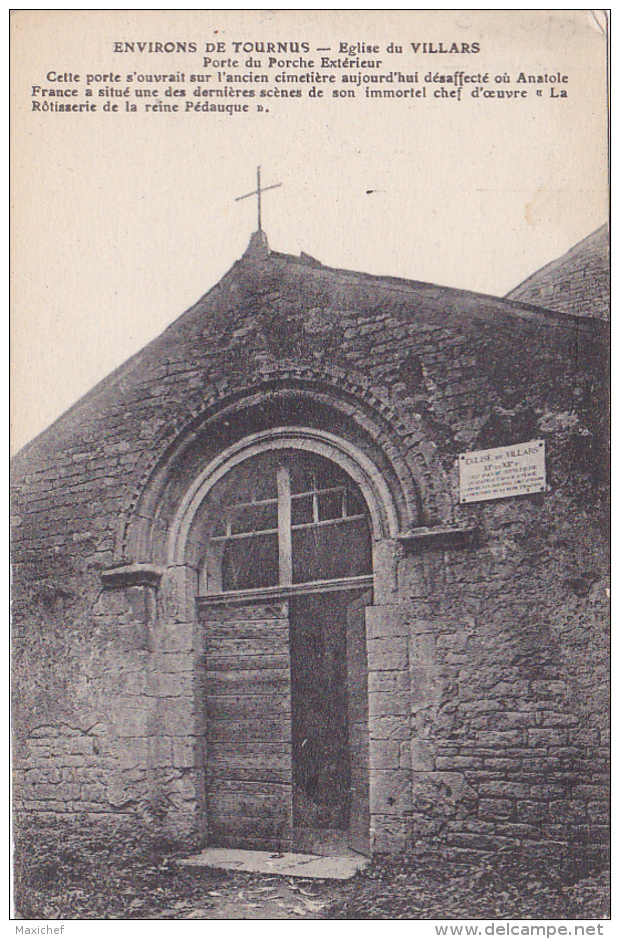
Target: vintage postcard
310, 419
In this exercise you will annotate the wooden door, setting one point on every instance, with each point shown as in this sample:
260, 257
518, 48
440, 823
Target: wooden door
248, 719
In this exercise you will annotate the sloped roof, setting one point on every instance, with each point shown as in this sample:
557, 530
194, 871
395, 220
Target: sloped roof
272, 308
576, 283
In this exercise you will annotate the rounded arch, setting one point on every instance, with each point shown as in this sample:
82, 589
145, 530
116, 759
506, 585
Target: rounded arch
361, 469
368, 431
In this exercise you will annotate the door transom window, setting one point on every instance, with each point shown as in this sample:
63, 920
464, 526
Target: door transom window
286, 517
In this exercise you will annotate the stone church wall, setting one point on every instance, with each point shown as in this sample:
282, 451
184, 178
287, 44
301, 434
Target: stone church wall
487, 661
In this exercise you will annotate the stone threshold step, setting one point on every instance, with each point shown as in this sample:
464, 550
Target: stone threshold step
342, 867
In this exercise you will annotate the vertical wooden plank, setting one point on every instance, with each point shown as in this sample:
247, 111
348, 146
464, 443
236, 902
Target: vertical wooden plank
248, 708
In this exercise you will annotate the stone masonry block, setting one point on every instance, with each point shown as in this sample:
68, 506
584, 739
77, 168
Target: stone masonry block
392, 660
389, 727
590, 793
390, 792
175, 685
452, 642
172, 662
532, 812
93, 792
173, 637
48, 774
132, 722
503, 720
384, 754
425, 688
397, 681
518, 688
549, 688
113, 605
557, 719
68, 791
121, 790
388, 834
175, 716
405, 754
567, 811
499, 788
140, 600
44, 732
132, 752
183, 752
422, 650
44, 791
598, 812
177, 593
183, 787
159, 752
130, 683
385, 647
456, 762
499, 738
385, 622
547, 737
384, 566
81, 746
547, 792
387, 703
495, 809
422, 755
591, 834
482, 706
442, 795
585, 737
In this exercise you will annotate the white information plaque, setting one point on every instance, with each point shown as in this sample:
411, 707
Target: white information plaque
516, 470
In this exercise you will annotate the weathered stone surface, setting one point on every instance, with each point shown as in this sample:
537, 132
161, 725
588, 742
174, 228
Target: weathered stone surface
496, 808
423, 756
389, 726
389, 834
443, 795
502, 738
532, 812
384, 754
383, 703
502, 789
487, 664
390, 792
577, 283
388, 681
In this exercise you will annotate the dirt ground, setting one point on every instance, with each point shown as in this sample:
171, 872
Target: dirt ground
258, 897
66, 872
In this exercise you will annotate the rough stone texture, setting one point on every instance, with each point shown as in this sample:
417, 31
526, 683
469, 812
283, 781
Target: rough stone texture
487, 664
576, 283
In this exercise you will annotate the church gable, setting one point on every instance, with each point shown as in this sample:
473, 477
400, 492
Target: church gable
250, 536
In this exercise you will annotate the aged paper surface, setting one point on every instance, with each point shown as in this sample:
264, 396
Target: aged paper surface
463, 149
124, 206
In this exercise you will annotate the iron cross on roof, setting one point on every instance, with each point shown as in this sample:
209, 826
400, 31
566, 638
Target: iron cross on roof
257, 192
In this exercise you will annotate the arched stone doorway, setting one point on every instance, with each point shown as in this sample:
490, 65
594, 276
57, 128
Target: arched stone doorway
282, 530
